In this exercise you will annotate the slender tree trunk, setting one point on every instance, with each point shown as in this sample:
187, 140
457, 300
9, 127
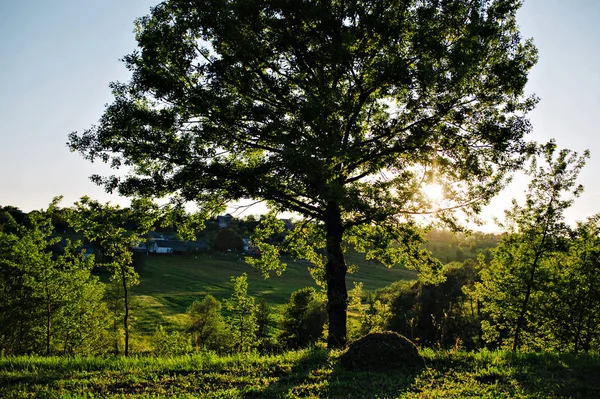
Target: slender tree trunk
48, 320
116, 323
48, 327
538, 254
335, 275
588, 339
580, 318
525, 305
20, 335
126, 315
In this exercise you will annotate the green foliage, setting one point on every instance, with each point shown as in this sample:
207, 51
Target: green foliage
206, 324
516, 288
440, 315
105, 226
48, 303
267, 329
303, 319
375, 317
264, 320
574, 311
339, 112
242, 315
269, 259
172, 343
227, 239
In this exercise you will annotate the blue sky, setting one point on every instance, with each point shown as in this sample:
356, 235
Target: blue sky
57, 58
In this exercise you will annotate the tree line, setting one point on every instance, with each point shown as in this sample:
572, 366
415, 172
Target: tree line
52, 303
540, 290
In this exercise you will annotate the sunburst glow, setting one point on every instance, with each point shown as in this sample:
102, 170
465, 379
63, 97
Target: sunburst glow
434, 192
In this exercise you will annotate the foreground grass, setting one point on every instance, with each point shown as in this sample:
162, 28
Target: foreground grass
302, 374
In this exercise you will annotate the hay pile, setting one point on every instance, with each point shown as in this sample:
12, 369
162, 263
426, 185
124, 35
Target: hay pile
381, 352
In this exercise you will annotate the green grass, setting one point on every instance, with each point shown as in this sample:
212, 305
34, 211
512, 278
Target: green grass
170, 283
302, 374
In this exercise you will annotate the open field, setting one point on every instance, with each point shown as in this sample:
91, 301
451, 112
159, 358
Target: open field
170, 283
302, 374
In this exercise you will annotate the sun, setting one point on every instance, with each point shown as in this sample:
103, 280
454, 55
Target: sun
434, 192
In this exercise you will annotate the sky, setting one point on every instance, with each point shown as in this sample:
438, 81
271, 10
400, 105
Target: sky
58, 57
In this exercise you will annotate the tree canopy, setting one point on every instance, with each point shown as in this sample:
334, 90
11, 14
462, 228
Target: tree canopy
338, 110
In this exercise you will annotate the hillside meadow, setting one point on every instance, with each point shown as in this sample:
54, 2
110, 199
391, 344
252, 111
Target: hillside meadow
170, 283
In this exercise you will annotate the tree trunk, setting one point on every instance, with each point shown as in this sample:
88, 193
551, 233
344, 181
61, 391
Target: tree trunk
588, 340
126, 305
580, 318
335, 275
524, 307
116, 323
538, 254
48, 320
48, 327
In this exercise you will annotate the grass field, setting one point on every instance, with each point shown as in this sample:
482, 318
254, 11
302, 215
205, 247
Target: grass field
302, 374
170, 283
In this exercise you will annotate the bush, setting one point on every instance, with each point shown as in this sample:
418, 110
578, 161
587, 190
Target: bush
171, 343
227, 239
303, 319
436, 315
206, 325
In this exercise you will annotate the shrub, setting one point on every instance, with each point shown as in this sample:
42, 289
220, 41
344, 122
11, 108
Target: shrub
206, 324
303, 318
170, 343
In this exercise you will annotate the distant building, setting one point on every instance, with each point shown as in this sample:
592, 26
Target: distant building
152, 246
224, 221
153, 235
160, 247
287, 224
169, 246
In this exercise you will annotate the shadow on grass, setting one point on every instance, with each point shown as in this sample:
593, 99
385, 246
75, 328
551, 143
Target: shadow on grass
389, 384
318, 375
507, 374
557, 375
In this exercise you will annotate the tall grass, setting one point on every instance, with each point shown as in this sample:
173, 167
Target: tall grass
302, 374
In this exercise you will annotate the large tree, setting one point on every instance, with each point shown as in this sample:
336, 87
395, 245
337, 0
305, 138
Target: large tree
337, 110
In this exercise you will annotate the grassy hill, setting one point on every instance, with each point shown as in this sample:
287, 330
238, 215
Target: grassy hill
170, 283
